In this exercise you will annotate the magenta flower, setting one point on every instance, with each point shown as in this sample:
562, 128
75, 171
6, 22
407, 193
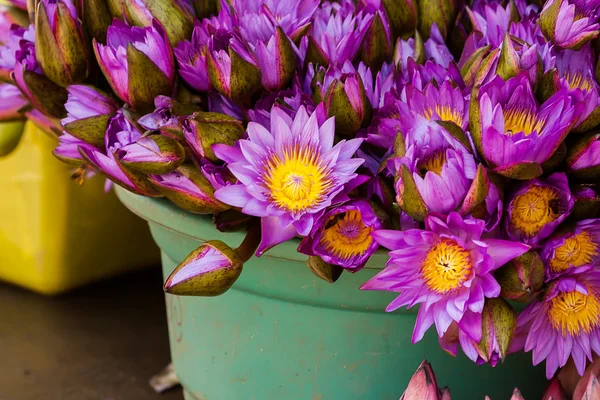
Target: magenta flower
492, 21
277, 60
518, 135
448, 267
68, 151
564, 323
570, 23
19, 41
191, 57
578, 248
337, 33
289, 175
131, 51
12, 102
435, 49
343, 236
537, 207
163, 115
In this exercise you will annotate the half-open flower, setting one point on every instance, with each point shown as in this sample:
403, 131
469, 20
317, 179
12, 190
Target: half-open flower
343, 236
67, 149
137, 62
448, 268
570, 23
277, 60
189, 189
434, 49
120, 133
152, 154
88, 112
537, 207
576, 248
564, 323
289, 175
583, 156
516, 135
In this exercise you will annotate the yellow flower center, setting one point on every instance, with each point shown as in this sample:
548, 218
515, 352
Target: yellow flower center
578, 81
576, 251
299, 181
522, 120
574, 312
446, 266
346, 235
432, 163
534, 209
445, 113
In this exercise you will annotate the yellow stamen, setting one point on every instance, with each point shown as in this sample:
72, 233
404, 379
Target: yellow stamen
576, 251
446, 266
433, 163
299, 181
574, 312
522, 120
578, 81
535, 208
346, 235
445, 113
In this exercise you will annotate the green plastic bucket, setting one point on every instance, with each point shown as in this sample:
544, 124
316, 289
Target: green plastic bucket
282, 333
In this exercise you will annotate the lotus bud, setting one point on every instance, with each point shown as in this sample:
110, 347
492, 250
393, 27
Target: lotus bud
568, 23
402, 16
522, 278
203, 129
515, 57
43, 94
213, 268
499, 322
376, 47
61, 48
277, 61
441, 12
587, 202
10, 135
12, 103
175, 16
189, 189
423, 386
347, 101
328, 272
88, 111
210, 270
154, 154
233, 71
583, 156
68, 150
138, 63
96, 18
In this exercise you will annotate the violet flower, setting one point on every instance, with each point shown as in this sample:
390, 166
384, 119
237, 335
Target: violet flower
570, 23
564, 323
448, 267
289, 175
537, 207
143, 54
343, 236
12, 102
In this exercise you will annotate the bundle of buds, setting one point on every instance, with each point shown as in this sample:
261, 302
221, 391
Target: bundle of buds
464, 138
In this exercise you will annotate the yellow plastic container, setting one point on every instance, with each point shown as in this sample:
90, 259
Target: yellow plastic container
56, 235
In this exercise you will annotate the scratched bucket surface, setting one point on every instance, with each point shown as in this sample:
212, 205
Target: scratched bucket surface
282, 333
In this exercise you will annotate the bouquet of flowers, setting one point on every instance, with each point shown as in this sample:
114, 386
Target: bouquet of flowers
460, 136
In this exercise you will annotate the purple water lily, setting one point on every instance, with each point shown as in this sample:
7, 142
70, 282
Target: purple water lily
289, 175
537, 207
343, 235
435, 49
576, 249
517, 134
564, 323
570, 23
133, 52
448, 268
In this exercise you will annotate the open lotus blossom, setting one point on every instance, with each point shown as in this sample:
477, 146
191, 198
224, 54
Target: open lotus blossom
564, 323
577, 248
446, 268
518, 135
537, 207
289, 175
344, 235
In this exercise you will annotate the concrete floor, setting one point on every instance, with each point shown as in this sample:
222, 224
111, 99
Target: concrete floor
102, 342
